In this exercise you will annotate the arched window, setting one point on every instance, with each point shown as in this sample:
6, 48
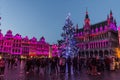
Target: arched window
101, 28
92, 30
96, 45
99, 44
104, 44
92, 45
96, 30
106, 27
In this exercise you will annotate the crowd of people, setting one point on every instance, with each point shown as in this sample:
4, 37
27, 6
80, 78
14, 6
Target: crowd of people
92, 66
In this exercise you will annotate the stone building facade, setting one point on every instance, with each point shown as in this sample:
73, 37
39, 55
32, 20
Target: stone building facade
99, 39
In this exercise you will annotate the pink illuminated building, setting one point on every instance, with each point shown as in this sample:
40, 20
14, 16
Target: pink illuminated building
1, 42
25, 46
42, 47
7, 43
99, 39
54, 50
16, 46
33, 47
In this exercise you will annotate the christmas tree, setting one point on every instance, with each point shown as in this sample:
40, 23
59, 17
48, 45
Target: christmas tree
69, 42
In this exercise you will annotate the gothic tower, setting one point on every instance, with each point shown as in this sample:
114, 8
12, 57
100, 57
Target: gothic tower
110, 18
86, 24
111, 22
87, 29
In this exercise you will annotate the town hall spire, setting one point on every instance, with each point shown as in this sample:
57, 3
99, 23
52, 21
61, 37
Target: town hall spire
111, 16
86, 23
87, 20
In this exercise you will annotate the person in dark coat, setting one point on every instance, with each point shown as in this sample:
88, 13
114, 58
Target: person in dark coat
2, 66
28, 65
75, 63
69, 63
38, 64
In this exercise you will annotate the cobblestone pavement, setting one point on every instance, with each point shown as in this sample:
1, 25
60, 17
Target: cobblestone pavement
19, 74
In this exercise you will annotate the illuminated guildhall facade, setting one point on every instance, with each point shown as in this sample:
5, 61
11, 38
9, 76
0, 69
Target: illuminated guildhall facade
99, 39
16, 46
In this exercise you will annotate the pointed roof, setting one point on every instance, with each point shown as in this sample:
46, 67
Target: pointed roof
86, 16
111, 16
17, 36
115, 21
110, 12
33, 39
42, 39
1, 35
9, 34
26, 37
86, 20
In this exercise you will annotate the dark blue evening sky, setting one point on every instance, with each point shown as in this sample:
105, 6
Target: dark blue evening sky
47, 17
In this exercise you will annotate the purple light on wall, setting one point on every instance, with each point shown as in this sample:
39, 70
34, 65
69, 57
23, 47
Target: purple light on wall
54, 50
92, 30
42, 47
119, 28
101, 28
22, 46
96, 30
16, 44
106, 28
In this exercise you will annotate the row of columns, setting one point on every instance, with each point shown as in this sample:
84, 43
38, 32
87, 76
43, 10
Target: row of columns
96, 45
101, 54
102, 44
